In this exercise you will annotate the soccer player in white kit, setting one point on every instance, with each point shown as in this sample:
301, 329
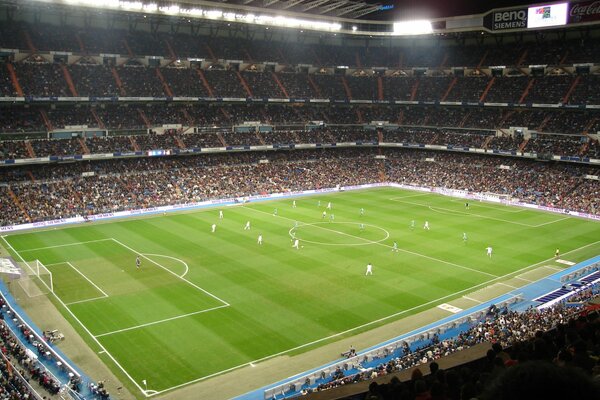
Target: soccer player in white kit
426, 226
294, 204
247, 226
329, 206
296, 244
259, 240
213, 228
220, 214
395, 247
489, 251
369, 269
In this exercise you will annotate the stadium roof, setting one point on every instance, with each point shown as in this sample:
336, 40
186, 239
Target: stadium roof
334, 8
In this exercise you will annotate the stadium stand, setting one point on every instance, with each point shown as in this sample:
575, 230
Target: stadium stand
450, 101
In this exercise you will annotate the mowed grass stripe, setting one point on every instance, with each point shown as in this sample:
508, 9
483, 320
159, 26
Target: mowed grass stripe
283, 299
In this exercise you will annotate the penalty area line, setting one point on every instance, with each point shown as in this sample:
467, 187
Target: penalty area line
483, 284
131, 328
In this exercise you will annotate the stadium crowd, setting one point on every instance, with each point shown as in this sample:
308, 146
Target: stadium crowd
39, 77
19, 365
39, 193
562, 337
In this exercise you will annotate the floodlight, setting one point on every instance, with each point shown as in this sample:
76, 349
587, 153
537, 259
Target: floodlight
417, 27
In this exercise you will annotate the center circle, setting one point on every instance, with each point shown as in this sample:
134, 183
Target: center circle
370, 234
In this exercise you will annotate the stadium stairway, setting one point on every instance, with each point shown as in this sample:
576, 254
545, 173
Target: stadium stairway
16, 200
314, 86
69, 80
280, 84
166, 87
244, 84
346, 88
487, 89
207, 86
14, 80
118, 81
450, 86
571, 89
526, 91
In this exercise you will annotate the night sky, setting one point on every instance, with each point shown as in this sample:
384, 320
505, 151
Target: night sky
414, 9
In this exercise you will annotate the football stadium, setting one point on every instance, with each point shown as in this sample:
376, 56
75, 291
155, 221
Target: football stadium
327, 199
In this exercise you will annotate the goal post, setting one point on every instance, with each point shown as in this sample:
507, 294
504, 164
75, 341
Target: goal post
44, 275
36, 278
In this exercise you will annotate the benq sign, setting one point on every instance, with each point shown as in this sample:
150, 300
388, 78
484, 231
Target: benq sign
513, 19
506, 19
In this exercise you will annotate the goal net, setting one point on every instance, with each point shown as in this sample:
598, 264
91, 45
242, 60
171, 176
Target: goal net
36, 279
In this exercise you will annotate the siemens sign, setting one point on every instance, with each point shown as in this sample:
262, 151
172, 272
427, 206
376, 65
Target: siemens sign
509, 19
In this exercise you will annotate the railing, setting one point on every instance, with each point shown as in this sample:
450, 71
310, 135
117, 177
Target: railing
378, 354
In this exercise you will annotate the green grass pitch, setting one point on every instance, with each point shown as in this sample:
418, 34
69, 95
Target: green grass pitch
203, 303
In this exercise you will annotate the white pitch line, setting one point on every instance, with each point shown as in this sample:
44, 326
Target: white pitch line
472, 299
551, 222
161, 321
172, 273
64, 245
507, 285
87, 279
388, 246
523, 279
406, 197
83, 326
358, 327
552, 268
86, 300
172, 258
457, 212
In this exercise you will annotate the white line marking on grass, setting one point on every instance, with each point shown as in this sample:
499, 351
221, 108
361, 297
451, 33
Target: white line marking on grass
363, 325
171, 272
292, 234
523, 279
449, 211
172, 258
160, 321
83, 326
388, 246
406, 197
472, 299
477, 204
507, 285
86, 300
569, 263
552, 268
87, 279
551, 222
65, 245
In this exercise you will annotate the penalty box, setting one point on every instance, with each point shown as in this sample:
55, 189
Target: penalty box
102, 286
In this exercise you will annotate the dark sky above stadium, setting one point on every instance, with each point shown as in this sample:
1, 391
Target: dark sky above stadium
411, 9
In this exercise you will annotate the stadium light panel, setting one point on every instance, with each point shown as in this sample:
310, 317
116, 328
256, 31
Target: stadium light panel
175, 9
417, 27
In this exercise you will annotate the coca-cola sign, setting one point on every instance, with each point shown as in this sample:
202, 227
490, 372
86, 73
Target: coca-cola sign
586, 11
